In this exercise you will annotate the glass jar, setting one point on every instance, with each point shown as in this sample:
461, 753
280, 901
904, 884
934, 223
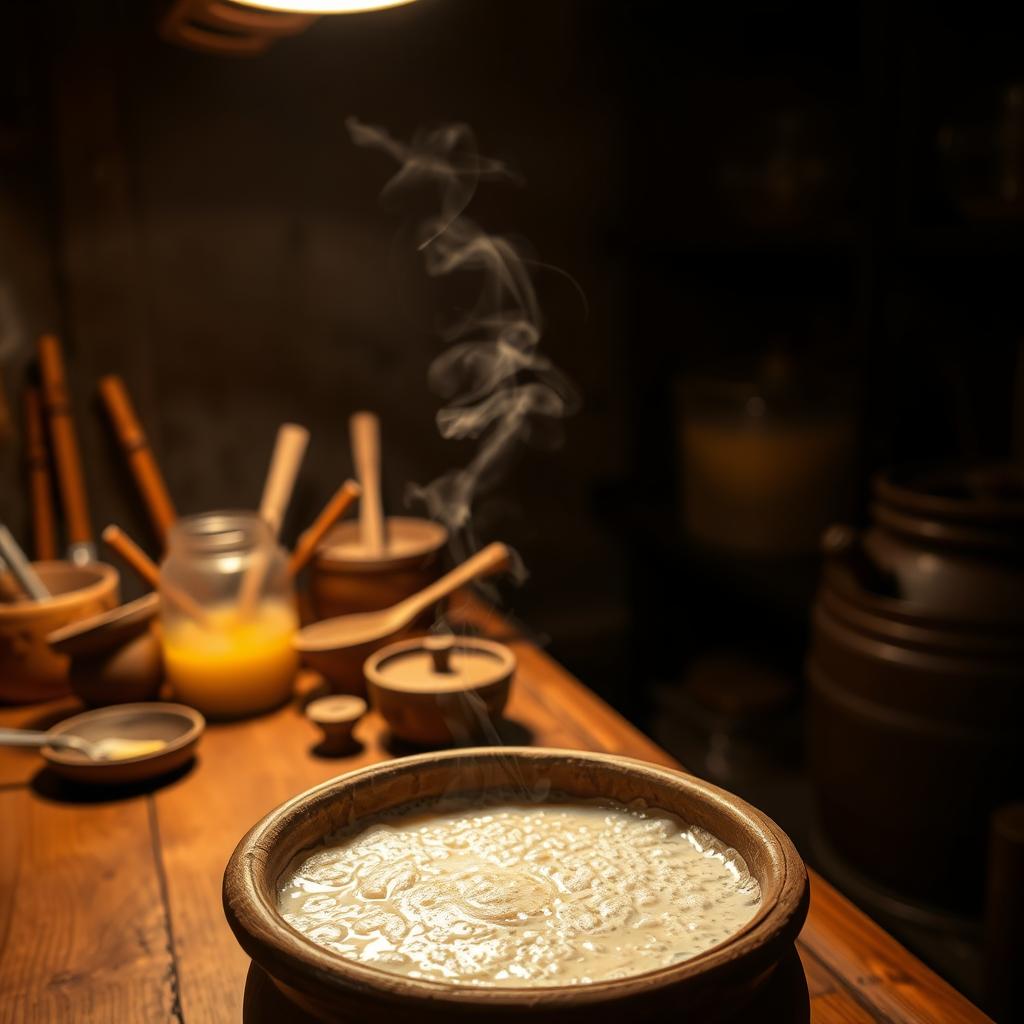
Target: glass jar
228, 615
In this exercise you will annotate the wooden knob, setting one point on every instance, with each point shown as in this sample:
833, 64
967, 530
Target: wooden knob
336, 716
440, 646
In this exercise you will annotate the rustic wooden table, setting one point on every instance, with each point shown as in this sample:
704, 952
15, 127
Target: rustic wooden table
110, 907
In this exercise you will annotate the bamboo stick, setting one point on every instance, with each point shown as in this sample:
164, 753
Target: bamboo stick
329, 515
137, 451
37, 463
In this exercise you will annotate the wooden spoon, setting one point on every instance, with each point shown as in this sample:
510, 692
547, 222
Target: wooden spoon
365, 627
364, 431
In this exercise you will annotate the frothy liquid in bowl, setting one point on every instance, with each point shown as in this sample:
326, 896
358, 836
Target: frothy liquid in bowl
521, 894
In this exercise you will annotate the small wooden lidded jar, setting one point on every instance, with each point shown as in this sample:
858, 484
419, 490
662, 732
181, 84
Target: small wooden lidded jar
346, 578
438, 690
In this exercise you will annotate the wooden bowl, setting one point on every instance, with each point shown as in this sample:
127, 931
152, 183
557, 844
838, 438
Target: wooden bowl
29, 669
711, 986
344, 579
179, 726
116, 657
436, 690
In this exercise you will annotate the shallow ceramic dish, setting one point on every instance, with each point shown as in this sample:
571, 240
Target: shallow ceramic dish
711, 987
178, 726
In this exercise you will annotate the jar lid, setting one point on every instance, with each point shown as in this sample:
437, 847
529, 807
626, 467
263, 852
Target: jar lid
440, 664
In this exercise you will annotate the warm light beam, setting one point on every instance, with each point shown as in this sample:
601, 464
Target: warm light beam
324, 6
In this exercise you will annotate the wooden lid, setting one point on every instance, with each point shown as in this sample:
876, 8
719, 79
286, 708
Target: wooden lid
440, 664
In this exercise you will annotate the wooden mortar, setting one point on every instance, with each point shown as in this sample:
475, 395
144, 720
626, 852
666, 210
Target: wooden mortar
29, 669
346, 579
709, 987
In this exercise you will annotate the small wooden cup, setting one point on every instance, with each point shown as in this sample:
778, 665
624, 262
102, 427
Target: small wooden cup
336, 717
344, 579
29, 669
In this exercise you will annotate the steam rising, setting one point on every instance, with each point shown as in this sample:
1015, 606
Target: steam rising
497, 386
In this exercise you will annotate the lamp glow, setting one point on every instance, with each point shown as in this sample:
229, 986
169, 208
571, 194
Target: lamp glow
323, 6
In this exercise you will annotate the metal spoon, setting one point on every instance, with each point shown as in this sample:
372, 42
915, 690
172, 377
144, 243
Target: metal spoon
21, 569
110, 748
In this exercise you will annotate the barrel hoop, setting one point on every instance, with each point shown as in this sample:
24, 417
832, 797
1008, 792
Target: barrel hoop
865, 708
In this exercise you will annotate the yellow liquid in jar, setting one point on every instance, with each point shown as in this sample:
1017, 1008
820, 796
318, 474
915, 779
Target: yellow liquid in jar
231, 667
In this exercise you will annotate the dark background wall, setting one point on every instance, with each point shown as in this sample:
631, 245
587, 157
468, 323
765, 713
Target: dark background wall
203, 226
835, 184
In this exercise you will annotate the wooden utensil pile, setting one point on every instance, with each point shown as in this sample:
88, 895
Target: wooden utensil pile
51, 453
333, 635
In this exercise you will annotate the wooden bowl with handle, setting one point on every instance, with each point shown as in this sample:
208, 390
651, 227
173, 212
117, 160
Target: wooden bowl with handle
713, 986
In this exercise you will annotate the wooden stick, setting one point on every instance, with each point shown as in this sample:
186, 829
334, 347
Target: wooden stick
70, 479
117, 540
331, 513
141, 460
37, 463
364, 433
284, 467
277, 491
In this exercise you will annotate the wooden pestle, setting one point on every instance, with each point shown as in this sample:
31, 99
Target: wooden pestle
141, 460
329, 515
364, 433
277, 491
117, 540
289, 450
37, 463
70, 480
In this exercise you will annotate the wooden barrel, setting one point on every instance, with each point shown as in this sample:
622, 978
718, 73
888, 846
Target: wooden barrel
915, 736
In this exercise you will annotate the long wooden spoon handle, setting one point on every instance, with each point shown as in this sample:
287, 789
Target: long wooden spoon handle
65, 442
44, 521
331, 513
141, 461
493, 558
364, 430
289, 449
117, 540
277, 492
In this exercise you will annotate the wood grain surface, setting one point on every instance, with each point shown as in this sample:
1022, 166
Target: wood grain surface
110, 905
